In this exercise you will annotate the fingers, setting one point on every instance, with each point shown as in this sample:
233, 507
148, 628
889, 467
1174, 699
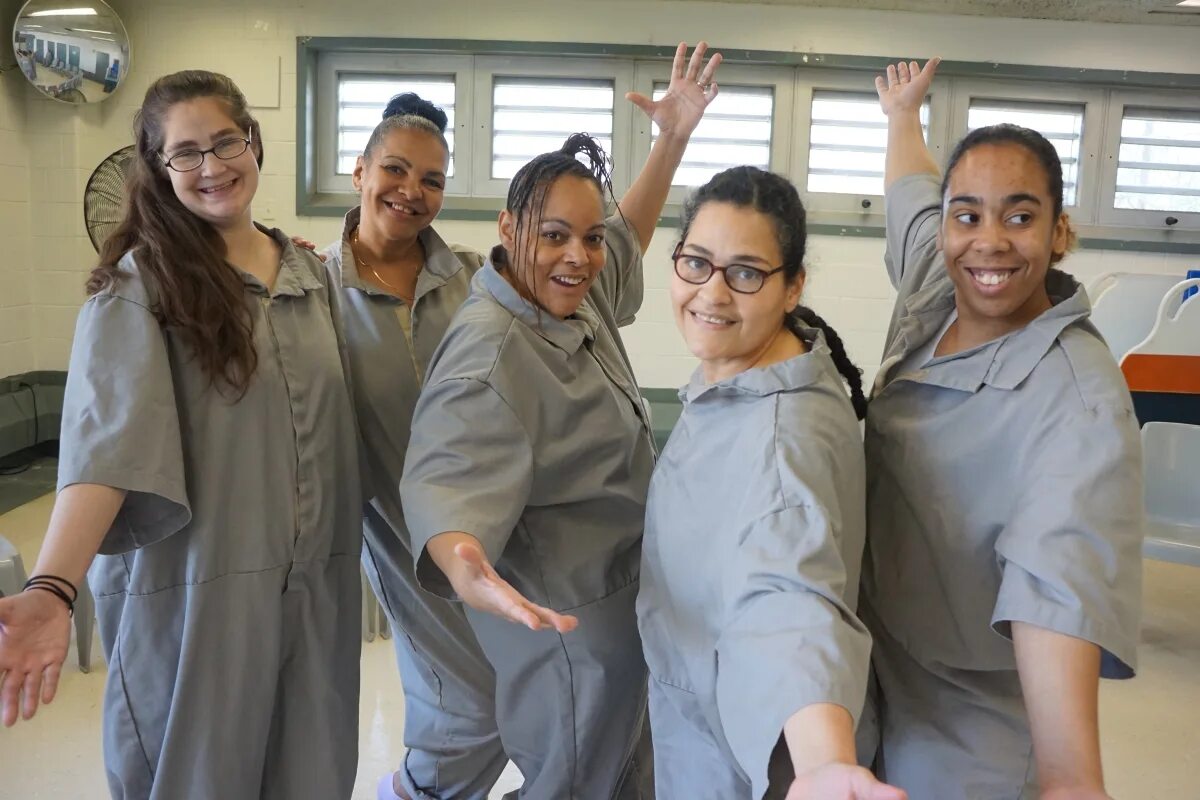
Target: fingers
930, 67
892, 77
50, 683
677, 63
30, 694
902, 70
693, 68
641, 101
881, 86
10, 695
711, 92
710, 69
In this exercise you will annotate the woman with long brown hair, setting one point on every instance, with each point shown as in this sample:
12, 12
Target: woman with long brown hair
208, 454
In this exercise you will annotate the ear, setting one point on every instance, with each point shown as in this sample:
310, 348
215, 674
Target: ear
794, 291
507, 225
360, 166
940, 241
1060, 238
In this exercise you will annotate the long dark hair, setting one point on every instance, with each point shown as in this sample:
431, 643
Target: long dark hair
529, 187
1041, 149
181, 257
775, 197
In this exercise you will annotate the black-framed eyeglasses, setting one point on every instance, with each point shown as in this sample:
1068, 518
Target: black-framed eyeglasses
741, 278
226, 149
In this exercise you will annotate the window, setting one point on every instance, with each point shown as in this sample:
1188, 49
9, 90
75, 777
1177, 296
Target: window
847, 142
362, 98
1158, 163
735, 131
535, 115
1061, 124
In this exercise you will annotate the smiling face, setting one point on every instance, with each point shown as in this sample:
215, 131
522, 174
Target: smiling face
727, 330
999, 235
402, 181
558, 256
219, 191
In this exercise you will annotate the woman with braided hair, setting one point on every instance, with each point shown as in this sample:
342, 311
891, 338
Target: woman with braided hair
755, 520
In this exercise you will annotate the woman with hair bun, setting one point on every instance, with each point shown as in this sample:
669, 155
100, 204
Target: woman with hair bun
401, 284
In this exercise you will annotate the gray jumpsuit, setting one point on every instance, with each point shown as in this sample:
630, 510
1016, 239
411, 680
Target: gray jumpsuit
453, 745
754, 536
227, 590
530, 434
1004, 484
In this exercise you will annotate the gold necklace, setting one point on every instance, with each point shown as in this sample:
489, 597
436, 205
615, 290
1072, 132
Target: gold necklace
375, 272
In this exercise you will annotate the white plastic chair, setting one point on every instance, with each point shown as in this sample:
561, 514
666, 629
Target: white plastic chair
1125, 307
1171, 453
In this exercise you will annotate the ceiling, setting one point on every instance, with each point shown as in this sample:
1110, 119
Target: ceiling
1146, 12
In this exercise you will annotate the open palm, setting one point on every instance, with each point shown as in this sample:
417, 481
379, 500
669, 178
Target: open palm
691, 89
482, 588
35, 629
905, 86
842, 782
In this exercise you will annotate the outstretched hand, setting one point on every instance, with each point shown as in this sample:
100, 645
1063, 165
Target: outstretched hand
905, 86
478, 584
691, 89
35, 629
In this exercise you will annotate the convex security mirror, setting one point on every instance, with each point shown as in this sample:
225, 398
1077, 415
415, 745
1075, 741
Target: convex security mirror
75, 52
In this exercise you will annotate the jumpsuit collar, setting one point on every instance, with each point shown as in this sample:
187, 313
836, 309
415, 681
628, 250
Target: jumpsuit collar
294, 278
567, 335
440, 262
1002, 363
791, 374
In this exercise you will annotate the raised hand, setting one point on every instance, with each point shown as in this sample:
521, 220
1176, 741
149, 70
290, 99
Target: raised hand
480, 587
905, 87
691, 89
35, 629
842, 782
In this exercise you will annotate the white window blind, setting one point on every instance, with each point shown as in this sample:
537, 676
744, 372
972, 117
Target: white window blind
362, 98
1158, 166
847, 142
735, 131
531, 116
1061, 124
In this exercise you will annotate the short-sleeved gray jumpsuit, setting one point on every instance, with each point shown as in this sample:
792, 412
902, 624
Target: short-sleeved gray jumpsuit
227, 591
1004, 485
530, 434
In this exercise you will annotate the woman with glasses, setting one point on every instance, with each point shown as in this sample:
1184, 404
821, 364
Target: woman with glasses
755, 521
526, 476
208, 453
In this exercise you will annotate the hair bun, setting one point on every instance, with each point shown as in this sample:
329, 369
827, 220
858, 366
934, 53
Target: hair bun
412, 104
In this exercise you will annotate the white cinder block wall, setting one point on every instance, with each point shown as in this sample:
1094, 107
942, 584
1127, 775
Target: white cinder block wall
16, 293
50, 148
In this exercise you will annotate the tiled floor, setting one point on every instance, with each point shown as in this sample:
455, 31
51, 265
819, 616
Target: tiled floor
1151, 725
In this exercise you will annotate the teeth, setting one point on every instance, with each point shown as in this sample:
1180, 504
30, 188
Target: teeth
711, 320
569, 280
211, 189
992, 277
401, 209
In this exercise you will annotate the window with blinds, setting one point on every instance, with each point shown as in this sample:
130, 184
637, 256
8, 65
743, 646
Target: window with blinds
1061, 124
735, 131
531, 116
847, 142
362, 98
1158, 164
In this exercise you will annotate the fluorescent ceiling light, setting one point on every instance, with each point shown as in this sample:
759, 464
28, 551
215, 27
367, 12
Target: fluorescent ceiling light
87, 30
1189, 3
65, 12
